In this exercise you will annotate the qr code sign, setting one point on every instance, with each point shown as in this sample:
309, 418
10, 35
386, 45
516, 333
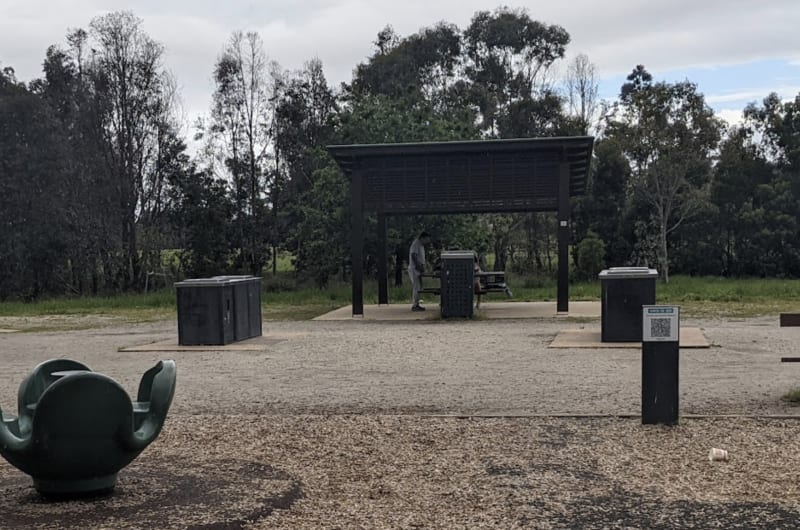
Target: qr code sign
660, 328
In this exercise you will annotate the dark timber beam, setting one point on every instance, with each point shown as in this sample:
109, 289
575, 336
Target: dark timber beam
790, 320
383, 258
562, 305
357, 240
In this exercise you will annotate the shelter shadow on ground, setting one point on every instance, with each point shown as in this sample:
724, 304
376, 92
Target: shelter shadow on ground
487, 311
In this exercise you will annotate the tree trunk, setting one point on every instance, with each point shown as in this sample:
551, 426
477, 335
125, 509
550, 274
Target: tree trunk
664, 258
499, 256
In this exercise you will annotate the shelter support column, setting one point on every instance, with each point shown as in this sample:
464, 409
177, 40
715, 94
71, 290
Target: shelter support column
383, 258
357, 240
562, 305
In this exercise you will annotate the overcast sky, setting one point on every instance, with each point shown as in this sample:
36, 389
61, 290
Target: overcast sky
736, 50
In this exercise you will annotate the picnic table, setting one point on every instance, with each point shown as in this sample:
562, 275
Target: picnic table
484, 282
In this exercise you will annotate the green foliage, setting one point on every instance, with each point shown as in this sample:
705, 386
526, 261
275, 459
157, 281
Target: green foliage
757, 191
34, 175
420, 66
377, 119
320, 234
590, 252
203, 216
793, 396
605, 209
667, 133
239, 141
507, 57
95, 180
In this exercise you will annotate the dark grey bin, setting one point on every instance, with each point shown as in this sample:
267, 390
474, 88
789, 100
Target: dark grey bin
218, 310
457, 287
246, 306
624, 290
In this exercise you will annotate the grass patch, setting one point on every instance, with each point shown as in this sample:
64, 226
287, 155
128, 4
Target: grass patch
792, 397
698, 296
284, 299
284, 263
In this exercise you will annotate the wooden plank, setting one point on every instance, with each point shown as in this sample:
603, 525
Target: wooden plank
790, 359
790, 320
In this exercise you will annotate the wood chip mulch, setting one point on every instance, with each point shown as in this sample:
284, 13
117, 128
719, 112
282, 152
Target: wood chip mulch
373, 471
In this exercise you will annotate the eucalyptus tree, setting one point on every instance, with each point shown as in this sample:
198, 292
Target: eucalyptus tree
422, 66
240, 136
95, 251
305, 107
668, 134
741, 178
508, 58
507, 68
777, 123
758, 183
137, 99
34, 176
604, 209
582, 87
411, 89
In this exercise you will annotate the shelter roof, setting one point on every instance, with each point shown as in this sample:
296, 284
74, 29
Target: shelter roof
467, 176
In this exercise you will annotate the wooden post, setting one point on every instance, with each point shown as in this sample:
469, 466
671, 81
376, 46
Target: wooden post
357, 240
562, 305
383, 258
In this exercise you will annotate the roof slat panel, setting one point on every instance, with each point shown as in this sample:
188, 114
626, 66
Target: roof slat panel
481, 176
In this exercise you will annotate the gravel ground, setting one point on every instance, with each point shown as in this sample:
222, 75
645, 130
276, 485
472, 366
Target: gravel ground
332, 428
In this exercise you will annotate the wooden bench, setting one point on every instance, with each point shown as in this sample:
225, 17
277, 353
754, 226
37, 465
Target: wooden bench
490, 282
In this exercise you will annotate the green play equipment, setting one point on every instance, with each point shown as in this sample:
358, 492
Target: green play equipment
77, 428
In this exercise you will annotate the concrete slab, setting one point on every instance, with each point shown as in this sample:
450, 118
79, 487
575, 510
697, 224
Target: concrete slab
590, 338
255, 344
490, 311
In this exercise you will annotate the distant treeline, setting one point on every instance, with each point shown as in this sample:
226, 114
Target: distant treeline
98, 190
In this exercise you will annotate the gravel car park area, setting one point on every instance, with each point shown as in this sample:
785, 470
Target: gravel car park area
438, 424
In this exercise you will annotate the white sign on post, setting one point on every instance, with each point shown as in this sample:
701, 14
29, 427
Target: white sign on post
661, 323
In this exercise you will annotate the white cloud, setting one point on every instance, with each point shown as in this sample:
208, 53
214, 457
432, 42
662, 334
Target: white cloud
615, 34
752, 95
756, 94
731, 116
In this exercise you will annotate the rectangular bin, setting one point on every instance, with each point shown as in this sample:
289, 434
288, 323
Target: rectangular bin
457, 287
246, 306
218, 310
624, 290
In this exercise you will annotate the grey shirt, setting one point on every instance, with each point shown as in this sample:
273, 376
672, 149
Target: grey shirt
419, 249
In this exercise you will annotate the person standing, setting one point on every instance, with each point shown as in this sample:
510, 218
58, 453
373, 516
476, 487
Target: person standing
416, 266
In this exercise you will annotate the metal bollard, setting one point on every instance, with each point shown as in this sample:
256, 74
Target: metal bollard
660, 360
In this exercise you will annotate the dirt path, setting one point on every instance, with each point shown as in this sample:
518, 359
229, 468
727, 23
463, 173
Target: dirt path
328, 428
478, 367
